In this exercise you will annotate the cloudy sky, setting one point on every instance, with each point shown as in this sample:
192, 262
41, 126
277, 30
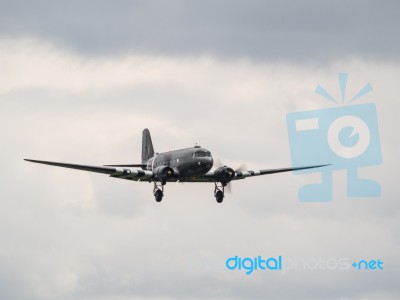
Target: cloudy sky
79, 80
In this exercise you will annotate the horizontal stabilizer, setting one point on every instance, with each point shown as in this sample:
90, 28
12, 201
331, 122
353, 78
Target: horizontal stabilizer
128, 165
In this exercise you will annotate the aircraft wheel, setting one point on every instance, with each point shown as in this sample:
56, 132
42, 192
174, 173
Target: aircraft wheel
219, 195
158, 195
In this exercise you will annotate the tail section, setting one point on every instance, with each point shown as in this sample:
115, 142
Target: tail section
147, 146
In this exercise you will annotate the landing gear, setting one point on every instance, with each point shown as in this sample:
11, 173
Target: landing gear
158, 195
219, 195
219, 192
158, 191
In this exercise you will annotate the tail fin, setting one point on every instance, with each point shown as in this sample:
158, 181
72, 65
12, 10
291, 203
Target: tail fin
147, 146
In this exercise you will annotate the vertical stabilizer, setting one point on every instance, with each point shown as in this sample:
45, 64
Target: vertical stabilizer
147, 146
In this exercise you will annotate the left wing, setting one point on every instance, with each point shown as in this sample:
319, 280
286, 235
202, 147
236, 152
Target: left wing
242, 175
210, 176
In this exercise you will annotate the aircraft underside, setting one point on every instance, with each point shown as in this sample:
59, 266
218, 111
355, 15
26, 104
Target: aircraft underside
225, 176
219, 191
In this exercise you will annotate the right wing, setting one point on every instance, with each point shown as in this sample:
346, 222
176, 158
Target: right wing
124, 173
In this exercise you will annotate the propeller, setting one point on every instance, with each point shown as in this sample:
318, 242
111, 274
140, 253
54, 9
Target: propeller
218, 163
241, 168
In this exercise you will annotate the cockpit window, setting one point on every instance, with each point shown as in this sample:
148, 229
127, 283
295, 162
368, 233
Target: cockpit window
202, 154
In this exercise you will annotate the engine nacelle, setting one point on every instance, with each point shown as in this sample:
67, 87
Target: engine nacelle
224, 174
162, 173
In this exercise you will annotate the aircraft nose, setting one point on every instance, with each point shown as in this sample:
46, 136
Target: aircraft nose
207, 161
210, 162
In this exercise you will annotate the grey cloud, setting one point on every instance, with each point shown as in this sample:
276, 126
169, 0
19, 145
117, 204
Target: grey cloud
268, 30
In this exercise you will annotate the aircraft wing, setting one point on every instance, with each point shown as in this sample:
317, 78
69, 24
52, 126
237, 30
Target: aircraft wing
125, 173
138, 175
210, 176
241, 175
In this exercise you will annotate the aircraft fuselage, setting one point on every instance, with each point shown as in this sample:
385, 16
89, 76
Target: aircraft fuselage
185, 162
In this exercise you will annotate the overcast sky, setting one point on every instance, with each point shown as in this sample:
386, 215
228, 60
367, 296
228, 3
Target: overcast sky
264, 30
80, 80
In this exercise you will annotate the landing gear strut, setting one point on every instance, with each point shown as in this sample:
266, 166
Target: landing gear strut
219, 191
158, 191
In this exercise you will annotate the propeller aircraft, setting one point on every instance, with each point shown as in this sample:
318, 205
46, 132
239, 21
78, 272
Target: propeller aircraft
185, 165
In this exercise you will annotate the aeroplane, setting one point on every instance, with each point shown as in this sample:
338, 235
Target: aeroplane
185, 165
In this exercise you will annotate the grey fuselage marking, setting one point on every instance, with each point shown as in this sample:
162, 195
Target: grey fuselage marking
193, 161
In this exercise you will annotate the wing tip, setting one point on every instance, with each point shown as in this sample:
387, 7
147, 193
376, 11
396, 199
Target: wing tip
32, 160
